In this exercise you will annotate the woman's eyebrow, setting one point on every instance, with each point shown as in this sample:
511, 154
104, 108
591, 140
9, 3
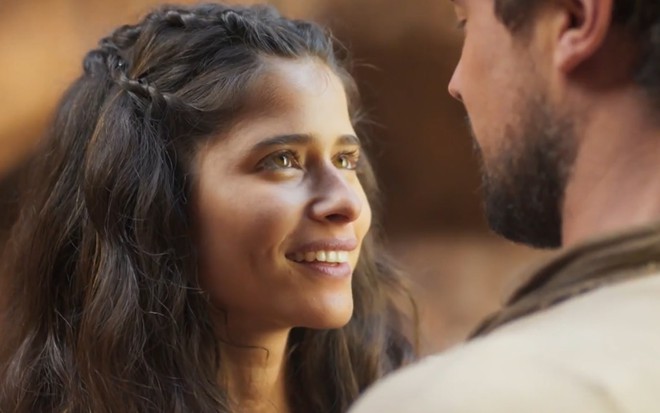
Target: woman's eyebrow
349, 140
301, 139
282, 140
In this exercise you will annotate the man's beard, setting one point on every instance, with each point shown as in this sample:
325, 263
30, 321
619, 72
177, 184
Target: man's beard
525, 181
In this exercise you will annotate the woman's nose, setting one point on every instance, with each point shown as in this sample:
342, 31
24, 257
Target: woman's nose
337, 197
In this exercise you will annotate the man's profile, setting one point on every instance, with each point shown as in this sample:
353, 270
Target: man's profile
563, 98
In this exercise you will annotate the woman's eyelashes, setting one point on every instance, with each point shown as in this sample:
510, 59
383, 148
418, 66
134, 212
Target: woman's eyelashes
347, 160
284, 159
288, 159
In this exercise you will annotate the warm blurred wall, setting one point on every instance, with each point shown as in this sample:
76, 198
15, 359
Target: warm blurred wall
404, 57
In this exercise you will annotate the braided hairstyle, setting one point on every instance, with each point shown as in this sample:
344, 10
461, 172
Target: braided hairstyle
106, 313
640, 18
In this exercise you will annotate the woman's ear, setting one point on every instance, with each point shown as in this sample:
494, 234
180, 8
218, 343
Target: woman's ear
585, 24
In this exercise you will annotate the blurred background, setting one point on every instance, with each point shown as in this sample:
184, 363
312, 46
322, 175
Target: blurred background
423, 155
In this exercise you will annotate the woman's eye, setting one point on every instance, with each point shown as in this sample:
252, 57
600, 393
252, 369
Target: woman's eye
280, 160
347, 160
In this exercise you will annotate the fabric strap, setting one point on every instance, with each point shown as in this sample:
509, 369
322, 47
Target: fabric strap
580, 270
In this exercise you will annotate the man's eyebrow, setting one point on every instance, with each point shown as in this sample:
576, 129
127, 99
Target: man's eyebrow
301, 139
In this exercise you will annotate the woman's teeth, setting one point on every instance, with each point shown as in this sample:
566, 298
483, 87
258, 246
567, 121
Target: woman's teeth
321, 256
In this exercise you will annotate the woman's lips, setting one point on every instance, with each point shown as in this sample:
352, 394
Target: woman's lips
333, 270
326, 257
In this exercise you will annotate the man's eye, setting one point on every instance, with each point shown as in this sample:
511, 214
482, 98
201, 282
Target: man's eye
280, 160
347, 160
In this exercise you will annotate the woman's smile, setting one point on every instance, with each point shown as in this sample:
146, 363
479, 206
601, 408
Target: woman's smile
325, 258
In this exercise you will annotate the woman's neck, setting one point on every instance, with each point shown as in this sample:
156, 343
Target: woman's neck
254, 370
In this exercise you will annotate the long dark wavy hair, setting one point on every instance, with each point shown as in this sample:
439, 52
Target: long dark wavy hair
105, 311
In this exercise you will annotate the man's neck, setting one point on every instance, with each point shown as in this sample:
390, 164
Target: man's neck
615, 183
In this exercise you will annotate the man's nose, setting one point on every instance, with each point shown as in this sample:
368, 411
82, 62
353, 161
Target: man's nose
454, 86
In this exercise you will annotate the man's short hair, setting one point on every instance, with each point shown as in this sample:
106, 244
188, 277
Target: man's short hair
639, 18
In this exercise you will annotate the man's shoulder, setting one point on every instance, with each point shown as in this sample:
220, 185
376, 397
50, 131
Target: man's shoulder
596, 352
483, 379
626, 306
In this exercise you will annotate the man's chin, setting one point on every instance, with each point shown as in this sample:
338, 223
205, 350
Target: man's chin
529, 216
516, 231
524, 182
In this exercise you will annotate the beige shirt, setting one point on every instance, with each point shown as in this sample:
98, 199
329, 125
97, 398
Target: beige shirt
599, 352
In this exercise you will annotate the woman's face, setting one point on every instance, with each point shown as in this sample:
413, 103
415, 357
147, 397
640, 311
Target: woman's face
280, 212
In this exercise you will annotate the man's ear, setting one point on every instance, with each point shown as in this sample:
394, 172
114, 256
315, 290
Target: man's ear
585, 25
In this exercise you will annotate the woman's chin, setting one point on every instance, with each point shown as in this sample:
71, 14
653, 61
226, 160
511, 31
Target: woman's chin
331, 317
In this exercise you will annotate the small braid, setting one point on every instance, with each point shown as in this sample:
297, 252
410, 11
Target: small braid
186, 19
139, 87
125, 36
103, 59
108, 60
259, 28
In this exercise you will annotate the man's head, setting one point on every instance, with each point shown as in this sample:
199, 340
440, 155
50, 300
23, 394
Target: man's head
529, 72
